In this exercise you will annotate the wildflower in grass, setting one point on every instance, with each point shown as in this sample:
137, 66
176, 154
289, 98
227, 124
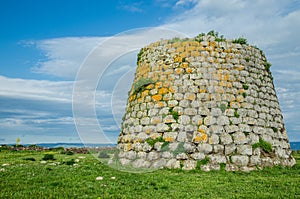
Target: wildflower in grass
81, 157
99, 178
113, 177
76, 160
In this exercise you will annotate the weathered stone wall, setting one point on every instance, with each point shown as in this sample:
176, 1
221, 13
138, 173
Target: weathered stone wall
204, 103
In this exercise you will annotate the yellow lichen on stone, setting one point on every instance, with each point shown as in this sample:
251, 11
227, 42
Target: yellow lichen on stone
239, 67
239, 98
140, 100
150, 86
145, 93
176, 44
154, 136
137, 140
158, 85
190, 48
166, 84
213, 44
148, 131
132, 97
171, 89
178, 71
190, 96
189, 70
220, 90
194, 43
184, 65
195, 53
202, 90
184, 54
177, 58
241, 91
156, 97
160, 104
169, 139
127, 147
223, 77
201, 137
180, 49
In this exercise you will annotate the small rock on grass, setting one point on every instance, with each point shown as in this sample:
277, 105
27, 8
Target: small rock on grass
99, 178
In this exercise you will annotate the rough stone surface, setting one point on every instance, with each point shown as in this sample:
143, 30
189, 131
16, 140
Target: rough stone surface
194, 101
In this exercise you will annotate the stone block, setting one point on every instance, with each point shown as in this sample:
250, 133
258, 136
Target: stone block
240, 160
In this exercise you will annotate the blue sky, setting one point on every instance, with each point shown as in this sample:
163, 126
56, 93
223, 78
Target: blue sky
44, 44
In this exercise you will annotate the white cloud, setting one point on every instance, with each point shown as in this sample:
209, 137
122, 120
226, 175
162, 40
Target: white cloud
36, 89
132, 7
64, 55
185, 2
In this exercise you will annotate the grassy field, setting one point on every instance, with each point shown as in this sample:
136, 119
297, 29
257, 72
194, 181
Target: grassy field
74, 176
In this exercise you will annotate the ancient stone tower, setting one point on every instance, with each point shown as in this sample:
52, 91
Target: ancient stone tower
206, 103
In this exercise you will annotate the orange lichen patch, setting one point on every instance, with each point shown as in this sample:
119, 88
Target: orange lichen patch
158, 85
202, 90
154, 136
150, 86
223, 77
127, 147
132, 97
229, 50
171, 77
229, 85
190, 48
190, 96
163, 91
148, 131
160, 104
202, 131
155, 68
180, 49
140, 100
166, 84
200, 122
189, 70
184, 65
156, 97
156, 120
178, 71
137, 140
176, 44
212, 43
239, 67
168, 72
171, 89
169, 139
194, 43
184, 54
223, 83
201, 137
177, 58
145, 93
195, 53
241, 91
239, 98
220, 90
163, 78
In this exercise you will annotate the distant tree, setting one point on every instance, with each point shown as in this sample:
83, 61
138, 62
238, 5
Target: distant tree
18, 141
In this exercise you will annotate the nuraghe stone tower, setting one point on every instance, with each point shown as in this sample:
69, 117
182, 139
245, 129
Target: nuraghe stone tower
206, 103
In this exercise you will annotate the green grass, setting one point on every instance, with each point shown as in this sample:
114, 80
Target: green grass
31, 179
